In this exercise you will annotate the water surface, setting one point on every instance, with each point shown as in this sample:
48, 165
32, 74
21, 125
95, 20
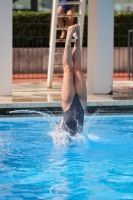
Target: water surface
97, 166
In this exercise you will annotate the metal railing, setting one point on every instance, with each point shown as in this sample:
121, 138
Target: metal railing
130, 54
30, 61
30, 55
121, 57
121, 50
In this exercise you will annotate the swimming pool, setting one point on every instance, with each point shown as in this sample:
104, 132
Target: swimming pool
97, 166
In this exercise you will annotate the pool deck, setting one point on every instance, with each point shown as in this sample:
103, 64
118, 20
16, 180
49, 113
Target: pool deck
31, 94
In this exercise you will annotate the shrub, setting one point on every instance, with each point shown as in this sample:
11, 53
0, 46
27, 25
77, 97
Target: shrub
32, 29
122, 23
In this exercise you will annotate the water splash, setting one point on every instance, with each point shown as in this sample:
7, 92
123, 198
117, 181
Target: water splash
90, 130
29, 112
58, 138
64, 138
47, 114
91, 125
93, 137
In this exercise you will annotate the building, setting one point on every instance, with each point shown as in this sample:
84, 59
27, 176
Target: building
123, 5
46, 5
34, 5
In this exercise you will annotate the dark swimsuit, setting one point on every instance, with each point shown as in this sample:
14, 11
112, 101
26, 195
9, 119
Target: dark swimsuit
73, 118
66, 7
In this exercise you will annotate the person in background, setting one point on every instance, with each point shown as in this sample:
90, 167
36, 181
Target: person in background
68, 10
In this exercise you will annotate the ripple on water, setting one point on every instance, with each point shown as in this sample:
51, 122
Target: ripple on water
99, 160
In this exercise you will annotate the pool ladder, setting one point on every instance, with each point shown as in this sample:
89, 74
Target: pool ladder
53, 34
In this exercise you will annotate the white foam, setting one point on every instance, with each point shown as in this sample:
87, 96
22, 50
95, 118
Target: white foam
28, 112
93, 138
64, 138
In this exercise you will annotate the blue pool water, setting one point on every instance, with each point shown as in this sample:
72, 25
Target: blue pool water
98, 165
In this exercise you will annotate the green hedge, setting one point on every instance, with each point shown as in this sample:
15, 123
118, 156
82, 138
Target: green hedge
27, 26
122, 23
31, 24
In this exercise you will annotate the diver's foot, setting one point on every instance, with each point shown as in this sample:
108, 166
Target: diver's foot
70, 31
76, 34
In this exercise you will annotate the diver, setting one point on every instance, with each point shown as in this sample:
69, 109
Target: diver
74, 93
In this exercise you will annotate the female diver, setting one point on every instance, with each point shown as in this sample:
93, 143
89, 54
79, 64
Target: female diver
74, 93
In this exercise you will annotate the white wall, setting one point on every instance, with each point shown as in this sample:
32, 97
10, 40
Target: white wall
100, 46
5, 47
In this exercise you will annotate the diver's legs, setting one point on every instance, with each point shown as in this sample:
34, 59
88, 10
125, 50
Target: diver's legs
79, 80
68, 89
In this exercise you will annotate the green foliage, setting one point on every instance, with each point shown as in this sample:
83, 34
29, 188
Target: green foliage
28, 26
34, 28
122, 23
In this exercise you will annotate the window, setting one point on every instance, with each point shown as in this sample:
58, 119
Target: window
44, 5
21, 4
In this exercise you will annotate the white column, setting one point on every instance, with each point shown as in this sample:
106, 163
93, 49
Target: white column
5, 47
100, 46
